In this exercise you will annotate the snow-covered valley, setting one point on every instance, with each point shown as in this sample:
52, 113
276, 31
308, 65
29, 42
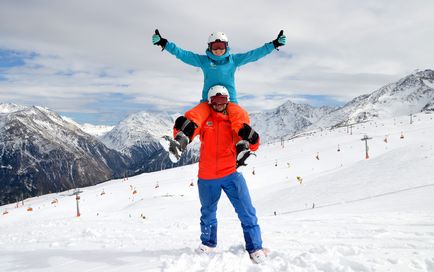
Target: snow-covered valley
320, 209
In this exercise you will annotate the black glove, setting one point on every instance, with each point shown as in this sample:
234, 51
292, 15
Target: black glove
248, 134
243, 153
280, 40
185, 125
158, 40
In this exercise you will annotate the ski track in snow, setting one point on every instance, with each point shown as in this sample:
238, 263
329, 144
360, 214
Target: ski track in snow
368, 215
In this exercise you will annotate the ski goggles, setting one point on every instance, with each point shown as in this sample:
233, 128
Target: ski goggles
219, 100
218, 45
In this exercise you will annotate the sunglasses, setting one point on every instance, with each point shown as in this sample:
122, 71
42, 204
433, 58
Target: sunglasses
219, 100
218, 45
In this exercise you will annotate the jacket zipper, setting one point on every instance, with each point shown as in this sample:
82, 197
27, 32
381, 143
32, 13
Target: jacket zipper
217, 148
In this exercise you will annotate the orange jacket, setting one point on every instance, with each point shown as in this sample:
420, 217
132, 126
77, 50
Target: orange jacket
217, 150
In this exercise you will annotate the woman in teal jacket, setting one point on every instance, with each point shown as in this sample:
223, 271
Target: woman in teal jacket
218, 69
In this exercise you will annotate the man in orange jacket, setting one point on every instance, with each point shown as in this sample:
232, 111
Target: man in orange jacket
217, 172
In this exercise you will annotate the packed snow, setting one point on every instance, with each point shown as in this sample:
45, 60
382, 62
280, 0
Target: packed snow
322, 206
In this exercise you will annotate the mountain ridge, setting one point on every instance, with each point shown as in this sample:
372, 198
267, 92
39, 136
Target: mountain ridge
42, 152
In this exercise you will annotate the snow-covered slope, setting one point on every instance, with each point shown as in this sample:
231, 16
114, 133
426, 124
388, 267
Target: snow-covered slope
343, 213
412, 94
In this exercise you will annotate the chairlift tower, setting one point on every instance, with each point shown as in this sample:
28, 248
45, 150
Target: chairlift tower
350, 129
77, 199
366, 138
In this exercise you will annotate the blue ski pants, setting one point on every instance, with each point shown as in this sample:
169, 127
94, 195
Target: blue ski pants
235, 187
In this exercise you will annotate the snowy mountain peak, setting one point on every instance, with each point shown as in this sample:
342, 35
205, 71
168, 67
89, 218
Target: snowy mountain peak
138, 129
425, 74
138, 136
94, 130
411, 94
10, 107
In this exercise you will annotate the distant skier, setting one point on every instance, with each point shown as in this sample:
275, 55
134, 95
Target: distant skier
217, 172
218, 66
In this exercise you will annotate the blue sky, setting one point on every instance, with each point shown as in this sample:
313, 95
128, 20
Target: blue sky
108, 109
12, 59
94, 61
9, 58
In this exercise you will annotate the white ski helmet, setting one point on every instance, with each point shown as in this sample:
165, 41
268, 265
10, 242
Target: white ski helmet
217, 36
217, 90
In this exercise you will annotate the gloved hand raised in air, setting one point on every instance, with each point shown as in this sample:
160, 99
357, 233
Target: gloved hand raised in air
158, 40
280, 40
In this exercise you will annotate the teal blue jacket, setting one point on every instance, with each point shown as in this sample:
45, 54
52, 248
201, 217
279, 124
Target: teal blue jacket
219, 70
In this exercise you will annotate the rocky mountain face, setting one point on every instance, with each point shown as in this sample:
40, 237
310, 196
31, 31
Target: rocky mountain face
287, 119
42, 153
137, 137
429, 107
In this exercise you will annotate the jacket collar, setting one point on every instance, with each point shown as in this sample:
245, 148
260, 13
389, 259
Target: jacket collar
219, 115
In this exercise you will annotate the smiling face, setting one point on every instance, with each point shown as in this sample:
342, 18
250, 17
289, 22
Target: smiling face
219, 52
219, 102
219, 107
218, 47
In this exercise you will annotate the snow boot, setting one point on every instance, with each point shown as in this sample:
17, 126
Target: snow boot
203, 249
259, 256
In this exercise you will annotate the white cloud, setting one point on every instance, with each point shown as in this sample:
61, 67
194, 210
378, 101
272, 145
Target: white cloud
339, 48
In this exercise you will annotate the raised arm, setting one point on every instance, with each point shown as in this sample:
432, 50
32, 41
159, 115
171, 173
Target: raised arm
255, 54
181, 54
